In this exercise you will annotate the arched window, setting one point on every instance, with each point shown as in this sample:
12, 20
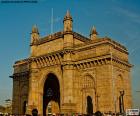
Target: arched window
88, 82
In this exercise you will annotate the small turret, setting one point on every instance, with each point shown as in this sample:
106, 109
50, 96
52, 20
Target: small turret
35, 29
67, 22
34, 35
93, 33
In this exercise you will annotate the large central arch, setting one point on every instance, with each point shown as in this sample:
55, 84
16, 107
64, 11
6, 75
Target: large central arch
51, 92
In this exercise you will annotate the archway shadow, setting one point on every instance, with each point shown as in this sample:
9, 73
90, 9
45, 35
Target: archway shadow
51, 91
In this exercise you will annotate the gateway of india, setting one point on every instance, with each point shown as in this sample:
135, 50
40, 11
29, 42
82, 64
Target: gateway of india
67, 72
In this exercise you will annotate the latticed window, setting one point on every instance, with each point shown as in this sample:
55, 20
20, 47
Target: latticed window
88, 82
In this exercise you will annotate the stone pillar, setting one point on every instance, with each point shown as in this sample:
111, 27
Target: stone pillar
16, 96
68, 40
68, 104
34, 40
33, 92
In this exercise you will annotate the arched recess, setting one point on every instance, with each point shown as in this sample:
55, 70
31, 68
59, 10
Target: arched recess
119, 84
24, 98
24, 107
119, 87
89, 105
51, 92
88, 93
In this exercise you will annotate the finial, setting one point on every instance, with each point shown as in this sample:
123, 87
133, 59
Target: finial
68, 16
93, 31
35, 29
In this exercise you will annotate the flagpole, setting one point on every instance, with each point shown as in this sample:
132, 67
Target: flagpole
52, 21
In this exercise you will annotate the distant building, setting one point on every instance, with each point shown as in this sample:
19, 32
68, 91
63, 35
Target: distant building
70, 73
2, 109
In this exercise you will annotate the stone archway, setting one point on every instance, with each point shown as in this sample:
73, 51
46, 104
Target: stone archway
51, 92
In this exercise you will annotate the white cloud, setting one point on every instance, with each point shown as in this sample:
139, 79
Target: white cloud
135, 17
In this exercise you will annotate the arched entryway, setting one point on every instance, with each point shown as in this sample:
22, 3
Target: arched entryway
89, 105
24, 107
88, 94
51, 94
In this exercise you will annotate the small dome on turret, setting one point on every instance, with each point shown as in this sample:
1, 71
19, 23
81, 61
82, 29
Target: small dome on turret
35, 29
93, 31
68, 16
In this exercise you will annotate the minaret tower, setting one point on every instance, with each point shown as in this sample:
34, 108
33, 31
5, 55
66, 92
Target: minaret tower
67, 22
68, 36
93, 33
68, 66
34, 35
34, 39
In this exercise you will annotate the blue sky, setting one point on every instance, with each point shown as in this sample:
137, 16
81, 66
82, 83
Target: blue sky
117, 19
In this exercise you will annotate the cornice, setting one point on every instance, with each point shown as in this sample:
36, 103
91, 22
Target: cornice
60, 34
81, 37
118, 60
98, 42
115, 43
56, 58
50, 38
101, 60
48, 59
88, 43
21, 74
83, 64
22, 62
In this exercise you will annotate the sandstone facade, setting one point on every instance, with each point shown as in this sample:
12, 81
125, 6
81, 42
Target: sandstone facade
73, 72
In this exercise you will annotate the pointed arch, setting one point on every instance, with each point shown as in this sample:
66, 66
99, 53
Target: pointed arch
89, 105
51, 91
89, 93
